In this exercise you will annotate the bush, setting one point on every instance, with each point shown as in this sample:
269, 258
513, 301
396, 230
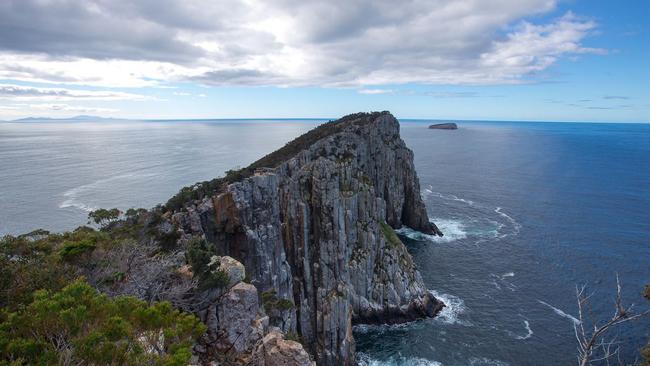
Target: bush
78, 325
198, 256
104, 217
72, 250
390, 235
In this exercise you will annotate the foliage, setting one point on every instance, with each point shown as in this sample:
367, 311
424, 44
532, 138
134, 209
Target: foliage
272, 160
46, 261
198, 255
271, 302
103, 217
78, 325
390, 235
275, 307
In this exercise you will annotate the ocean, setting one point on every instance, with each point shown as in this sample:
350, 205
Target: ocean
529, 211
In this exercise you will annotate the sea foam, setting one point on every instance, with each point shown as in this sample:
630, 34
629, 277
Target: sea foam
365, 360
560, 312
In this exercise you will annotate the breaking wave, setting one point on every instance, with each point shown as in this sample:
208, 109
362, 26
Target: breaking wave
452, 230
560, 312
483, 361
515, 225
528, 330
454, 307
74, 197
365, 360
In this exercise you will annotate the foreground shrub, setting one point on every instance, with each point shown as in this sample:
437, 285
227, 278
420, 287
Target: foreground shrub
80, 326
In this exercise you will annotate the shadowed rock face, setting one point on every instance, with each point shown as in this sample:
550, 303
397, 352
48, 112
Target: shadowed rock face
318, 229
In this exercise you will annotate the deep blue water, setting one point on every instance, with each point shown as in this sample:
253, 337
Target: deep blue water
529, 210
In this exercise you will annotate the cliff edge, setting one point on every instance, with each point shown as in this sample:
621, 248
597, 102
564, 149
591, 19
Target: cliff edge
313, 222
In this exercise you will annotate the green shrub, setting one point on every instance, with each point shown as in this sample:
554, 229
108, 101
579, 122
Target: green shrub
271, 302
390, 235
78, 325
104, 217
198, 256
72, 250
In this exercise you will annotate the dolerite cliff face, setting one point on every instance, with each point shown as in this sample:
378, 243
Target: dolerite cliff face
317, 228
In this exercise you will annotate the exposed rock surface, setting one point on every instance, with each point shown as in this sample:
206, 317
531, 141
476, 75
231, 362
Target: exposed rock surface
317, 229
274, 350
444, 126
231, 267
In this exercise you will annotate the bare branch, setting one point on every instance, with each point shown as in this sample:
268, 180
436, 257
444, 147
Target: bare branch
592, 346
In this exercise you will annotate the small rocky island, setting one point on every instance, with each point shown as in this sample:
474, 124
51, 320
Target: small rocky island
444, 126
277, 260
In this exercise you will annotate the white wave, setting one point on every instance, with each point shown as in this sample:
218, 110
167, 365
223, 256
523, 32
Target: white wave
515, 225
528, 330
452, 230
483, 361
365, 360
449, 197
381, 328
72, 200
454, 307
509, 274
560, 312
73, 196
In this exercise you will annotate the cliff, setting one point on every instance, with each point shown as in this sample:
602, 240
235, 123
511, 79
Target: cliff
313, 224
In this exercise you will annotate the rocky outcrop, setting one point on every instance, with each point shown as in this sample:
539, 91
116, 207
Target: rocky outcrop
274, 350
238, 331
316, 231
444, 126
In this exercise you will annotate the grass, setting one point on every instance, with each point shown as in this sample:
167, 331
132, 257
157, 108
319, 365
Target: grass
390, 235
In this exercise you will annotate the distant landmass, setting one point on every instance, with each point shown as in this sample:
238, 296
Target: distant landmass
75, 118
444, 126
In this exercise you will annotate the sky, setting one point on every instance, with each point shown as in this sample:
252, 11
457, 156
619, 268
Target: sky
544, 60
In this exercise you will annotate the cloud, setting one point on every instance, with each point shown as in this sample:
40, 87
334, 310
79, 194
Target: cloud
615, 97
282, 43
18, 93
70, 108
375, 91
22, 109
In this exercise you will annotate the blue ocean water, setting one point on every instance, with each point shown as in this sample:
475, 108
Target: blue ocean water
529, 211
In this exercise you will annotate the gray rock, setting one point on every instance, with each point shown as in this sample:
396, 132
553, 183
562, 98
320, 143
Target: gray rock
235, 270
274, 350
318, 229
234, 324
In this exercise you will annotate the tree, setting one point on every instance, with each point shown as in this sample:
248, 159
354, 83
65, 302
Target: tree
104, 217
593, 346
80, 326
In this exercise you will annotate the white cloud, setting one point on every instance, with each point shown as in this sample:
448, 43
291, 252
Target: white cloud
354, 43
375, 91
19, 92
51, 109
70, 108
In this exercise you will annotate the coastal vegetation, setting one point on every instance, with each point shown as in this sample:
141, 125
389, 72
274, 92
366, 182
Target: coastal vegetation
50, 314
77, 325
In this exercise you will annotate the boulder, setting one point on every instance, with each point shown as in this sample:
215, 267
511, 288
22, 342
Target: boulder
274, 350
233, 268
